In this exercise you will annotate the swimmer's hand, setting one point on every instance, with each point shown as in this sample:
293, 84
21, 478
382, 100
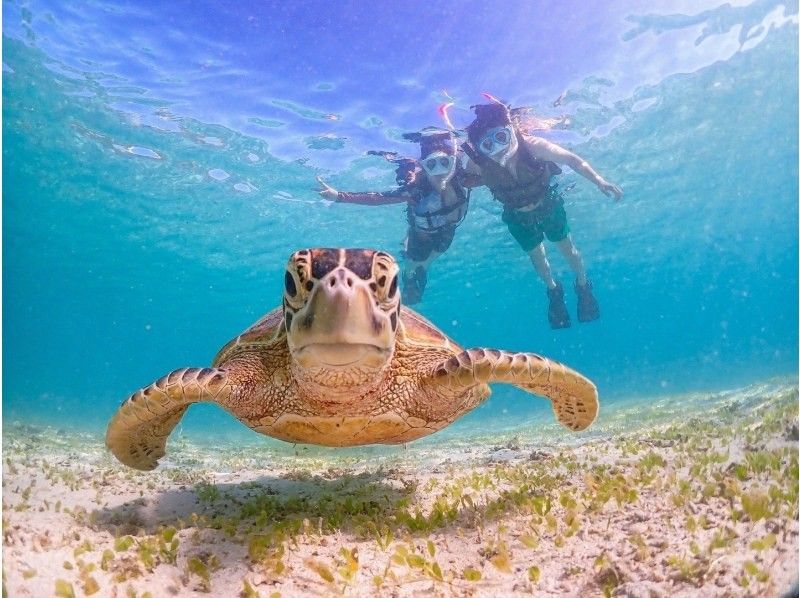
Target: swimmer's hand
610, 189
327, 191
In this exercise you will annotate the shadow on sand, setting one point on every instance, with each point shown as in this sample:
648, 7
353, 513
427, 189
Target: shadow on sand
343, 503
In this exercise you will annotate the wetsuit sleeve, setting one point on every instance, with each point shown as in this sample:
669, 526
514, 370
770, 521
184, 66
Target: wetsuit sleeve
469, 171
471, 153
371, 198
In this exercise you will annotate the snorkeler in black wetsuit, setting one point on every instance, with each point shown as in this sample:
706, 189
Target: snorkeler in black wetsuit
518, 168
434, 189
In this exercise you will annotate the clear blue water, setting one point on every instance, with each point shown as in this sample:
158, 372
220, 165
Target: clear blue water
159, 164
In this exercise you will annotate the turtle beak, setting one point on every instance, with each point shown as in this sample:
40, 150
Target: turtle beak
341, 326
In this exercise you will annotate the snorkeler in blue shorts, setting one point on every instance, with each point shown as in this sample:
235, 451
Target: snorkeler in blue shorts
435, 189
518, 168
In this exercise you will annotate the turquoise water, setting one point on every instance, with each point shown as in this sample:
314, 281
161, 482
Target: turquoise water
159, 165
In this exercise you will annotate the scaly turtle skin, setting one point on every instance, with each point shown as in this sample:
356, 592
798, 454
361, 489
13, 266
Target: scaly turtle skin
342, 363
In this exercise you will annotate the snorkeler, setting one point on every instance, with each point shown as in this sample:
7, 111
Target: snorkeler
517, 168
437, 203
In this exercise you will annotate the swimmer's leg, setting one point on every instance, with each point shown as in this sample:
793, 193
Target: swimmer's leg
557, 313
419, 253
573, 257
540, 263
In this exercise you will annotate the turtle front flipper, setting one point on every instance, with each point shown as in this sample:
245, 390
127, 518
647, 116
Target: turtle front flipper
574, 397
137, 434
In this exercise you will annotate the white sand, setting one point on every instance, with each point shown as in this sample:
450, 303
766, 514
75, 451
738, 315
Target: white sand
640, 510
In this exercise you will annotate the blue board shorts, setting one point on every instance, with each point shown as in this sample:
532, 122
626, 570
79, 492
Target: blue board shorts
548, 220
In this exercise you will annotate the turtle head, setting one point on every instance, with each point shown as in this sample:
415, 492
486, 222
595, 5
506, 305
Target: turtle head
341, 311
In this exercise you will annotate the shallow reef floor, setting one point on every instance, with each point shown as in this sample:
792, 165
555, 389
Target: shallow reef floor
691, 495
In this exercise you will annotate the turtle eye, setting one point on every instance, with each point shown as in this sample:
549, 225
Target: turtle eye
385, 288
289, 285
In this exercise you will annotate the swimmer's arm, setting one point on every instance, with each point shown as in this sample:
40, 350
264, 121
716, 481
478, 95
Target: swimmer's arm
367, 198
545, 150
372, 198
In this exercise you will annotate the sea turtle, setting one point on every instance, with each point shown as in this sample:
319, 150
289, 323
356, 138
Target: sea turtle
342, 363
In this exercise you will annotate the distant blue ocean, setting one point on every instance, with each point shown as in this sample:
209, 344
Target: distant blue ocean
159, 164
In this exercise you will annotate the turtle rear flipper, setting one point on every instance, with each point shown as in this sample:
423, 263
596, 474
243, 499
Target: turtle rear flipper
574, 397
137, 434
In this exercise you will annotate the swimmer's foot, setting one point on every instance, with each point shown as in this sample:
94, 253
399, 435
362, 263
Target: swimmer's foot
414, 285
557, 313
588, 309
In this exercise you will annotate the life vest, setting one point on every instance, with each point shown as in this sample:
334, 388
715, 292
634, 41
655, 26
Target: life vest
529, 188
428, 213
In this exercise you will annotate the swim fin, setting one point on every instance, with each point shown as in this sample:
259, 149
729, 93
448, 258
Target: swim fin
588, 309
557, 313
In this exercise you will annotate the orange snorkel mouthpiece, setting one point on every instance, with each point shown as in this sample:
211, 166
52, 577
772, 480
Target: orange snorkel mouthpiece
491, 98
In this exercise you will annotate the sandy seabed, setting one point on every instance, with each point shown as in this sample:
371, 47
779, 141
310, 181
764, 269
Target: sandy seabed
691, 495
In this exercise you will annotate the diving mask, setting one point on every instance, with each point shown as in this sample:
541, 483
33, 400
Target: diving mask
438, 163
495, 140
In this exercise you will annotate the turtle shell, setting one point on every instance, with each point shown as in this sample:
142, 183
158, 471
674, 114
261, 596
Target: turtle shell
421, 330
265, 331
